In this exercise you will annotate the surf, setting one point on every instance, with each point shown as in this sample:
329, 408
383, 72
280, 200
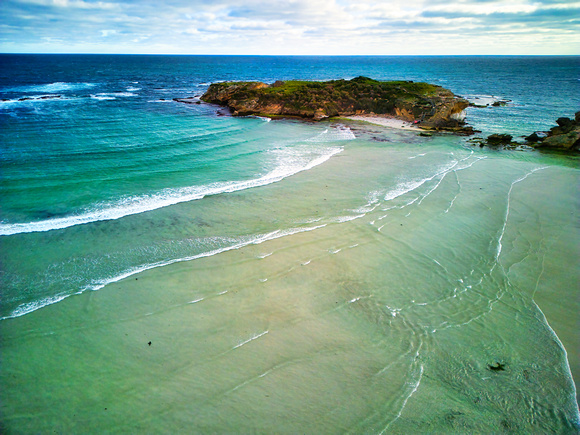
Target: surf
289, 161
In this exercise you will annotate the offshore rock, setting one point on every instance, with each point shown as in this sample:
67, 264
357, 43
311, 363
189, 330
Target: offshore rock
432, 106
499, 139
566, 136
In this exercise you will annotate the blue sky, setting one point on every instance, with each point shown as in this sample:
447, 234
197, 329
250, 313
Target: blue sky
321, 27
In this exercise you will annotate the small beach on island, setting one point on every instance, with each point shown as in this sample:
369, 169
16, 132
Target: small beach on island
386, 121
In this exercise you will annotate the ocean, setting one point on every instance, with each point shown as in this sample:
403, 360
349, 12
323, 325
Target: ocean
166, 267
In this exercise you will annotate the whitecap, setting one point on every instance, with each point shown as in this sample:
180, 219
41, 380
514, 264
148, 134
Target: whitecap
338, 133
112, 95
289, 162
102, 97
485, 100
51, 87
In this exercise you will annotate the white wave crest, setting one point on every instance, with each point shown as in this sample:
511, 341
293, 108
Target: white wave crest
97, 285
29, 307
52, 87
289, 162
338, 133
112, 95
102, 97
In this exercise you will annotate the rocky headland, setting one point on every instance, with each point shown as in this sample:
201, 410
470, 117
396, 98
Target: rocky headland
422, 104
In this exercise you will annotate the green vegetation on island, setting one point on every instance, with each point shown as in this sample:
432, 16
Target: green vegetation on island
430, 106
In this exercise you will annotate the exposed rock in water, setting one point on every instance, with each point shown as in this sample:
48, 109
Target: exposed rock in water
433, 106
566, 136
534, 137
499, 139
487, 101
189, 100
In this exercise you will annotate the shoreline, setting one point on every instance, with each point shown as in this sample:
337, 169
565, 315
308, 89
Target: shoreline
284, 316
385, 121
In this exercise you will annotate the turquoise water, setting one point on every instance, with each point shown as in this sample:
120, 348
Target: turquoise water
363, 277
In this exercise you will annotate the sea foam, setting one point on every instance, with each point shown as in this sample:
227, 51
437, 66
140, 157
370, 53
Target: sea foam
289, 161
29, 307
51, 87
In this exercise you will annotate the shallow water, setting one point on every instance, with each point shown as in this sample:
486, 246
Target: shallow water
410, 271
165, 269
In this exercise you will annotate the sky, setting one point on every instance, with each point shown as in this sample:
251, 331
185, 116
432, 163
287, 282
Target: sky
292, 27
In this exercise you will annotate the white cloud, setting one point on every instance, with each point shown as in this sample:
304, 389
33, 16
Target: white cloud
77, 4
293, 26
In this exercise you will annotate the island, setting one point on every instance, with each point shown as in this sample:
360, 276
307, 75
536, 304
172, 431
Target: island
428, 106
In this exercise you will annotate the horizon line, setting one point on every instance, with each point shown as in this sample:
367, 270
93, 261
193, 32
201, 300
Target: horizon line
291, 55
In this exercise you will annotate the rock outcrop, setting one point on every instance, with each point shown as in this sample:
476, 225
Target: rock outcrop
431, 106
499, 139
566, 136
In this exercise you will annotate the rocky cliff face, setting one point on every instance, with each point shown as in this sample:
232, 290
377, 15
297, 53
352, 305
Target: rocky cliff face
432, 106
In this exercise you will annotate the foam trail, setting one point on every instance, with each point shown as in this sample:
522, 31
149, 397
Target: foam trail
33, 306
287, 166
251, 339
568, 369
334, 134
507, 211
51, 87
409, 186
413, 391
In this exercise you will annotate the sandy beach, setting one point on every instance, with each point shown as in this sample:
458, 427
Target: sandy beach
362, 313
385, 122
166, 269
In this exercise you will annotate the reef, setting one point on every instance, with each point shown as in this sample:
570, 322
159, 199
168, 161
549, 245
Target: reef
428, 106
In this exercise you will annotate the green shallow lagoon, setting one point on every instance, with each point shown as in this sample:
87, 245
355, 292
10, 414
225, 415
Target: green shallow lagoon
384, 284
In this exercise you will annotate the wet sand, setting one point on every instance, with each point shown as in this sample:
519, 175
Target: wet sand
420, 269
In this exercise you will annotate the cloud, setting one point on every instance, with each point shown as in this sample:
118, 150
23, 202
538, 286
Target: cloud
292, 26
76, 4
